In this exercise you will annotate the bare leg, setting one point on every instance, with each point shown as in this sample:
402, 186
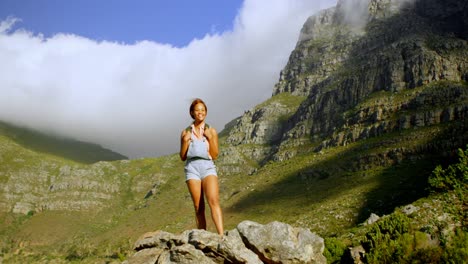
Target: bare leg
196, 191
211, 190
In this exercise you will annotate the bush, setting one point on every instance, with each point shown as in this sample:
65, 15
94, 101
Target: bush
390, 227
392, 240
457, 250
78, 249
334, 250
455, 177
387, 240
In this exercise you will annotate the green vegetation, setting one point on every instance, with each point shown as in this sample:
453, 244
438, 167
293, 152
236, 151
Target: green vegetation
334, 249
419, 237
291, 102
454, 178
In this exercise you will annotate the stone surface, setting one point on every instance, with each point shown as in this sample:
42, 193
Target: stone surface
372, 219
278, 242
250, 242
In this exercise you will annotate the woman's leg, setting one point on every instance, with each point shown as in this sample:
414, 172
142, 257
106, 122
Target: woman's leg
211, 189
196, 191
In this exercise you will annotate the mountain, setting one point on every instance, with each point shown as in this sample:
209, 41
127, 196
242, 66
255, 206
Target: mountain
365, 110
358, 104
404, 70
374, 96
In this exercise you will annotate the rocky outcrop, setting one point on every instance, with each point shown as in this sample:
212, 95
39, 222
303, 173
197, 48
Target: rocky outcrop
253, 138
53, 187
259, 126
250, 242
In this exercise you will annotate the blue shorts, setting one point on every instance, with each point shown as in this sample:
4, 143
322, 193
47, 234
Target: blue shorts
199, 169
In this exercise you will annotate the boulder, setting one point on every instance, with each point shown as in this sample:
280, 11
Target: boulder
249, 242
278, 242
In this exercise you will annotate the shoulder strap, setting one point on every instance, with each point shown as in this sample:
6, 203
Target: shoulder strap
189, 128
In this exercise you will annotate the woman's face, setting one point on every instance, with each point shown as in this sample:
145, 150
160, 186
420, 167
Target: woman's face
199, 112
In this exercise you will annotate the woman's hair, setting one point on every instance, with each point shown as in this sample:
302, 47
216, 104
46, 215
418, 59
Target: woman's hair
194, 103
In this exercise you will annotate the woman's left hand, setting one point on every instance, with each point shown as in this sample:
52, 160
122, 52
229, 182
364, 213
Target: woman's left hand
209, 133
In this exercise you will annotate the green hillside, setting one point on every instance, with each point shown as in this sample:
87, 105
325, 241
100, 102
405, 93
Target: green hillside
330, 192
98, 232
62, 147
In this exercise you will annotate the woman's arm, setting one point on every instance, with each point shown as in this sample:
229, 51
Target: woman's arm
185, 138
212, 137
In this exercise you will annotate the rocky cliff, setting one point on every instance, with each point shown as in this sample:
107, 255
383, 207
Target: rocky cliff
361, 71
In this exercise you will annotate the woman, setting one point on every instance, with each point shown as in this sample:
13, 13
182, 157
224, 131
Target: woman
199, 147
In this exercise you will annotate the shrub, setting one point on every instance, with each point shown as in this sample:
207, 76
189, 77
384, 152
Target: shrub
457, 250
390, 227
388, 239
334, 250
455, 177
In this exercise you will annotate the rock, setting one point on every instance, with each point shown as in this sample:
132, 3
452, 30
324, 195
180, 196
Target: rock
230, 248
259, 126
146, 256
278, 242
357, 254
193, 246
250, 242
372, 219
409, 209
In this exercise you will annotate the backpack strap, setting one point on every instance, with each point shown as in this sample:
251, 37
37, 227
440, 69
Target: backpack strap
189, 128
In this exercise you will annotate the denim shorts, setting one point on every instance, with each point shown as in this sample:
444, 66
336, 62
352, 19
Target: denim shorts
198, 169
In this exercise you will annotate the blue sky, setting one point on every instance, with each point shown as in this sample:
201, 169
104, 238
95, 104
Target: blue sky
122, 74
176, 22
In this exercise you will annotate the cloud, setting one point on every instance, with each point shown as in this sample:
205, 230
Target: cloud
134, 98
356, 13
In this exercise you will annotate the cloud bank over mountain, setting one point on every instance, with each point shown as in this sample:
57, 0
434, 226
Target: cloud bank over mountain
134, 98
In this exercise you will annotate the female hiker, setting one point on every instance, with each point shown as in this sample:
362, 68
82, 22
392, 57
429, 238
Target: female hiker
198, 148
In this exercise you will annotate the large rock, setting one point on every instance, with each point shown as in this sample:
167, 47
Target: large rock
278, 242
250, 242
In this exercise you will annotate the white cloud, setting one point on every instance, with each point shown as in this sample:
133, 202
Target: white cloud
134, 99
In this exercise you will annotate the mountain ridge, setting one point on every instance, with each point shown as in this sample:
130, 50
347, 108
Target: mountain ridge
79, 151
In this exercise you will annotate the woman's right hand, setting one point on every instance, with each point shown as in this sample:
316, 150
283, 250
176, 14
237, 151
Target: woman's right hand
185, 139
